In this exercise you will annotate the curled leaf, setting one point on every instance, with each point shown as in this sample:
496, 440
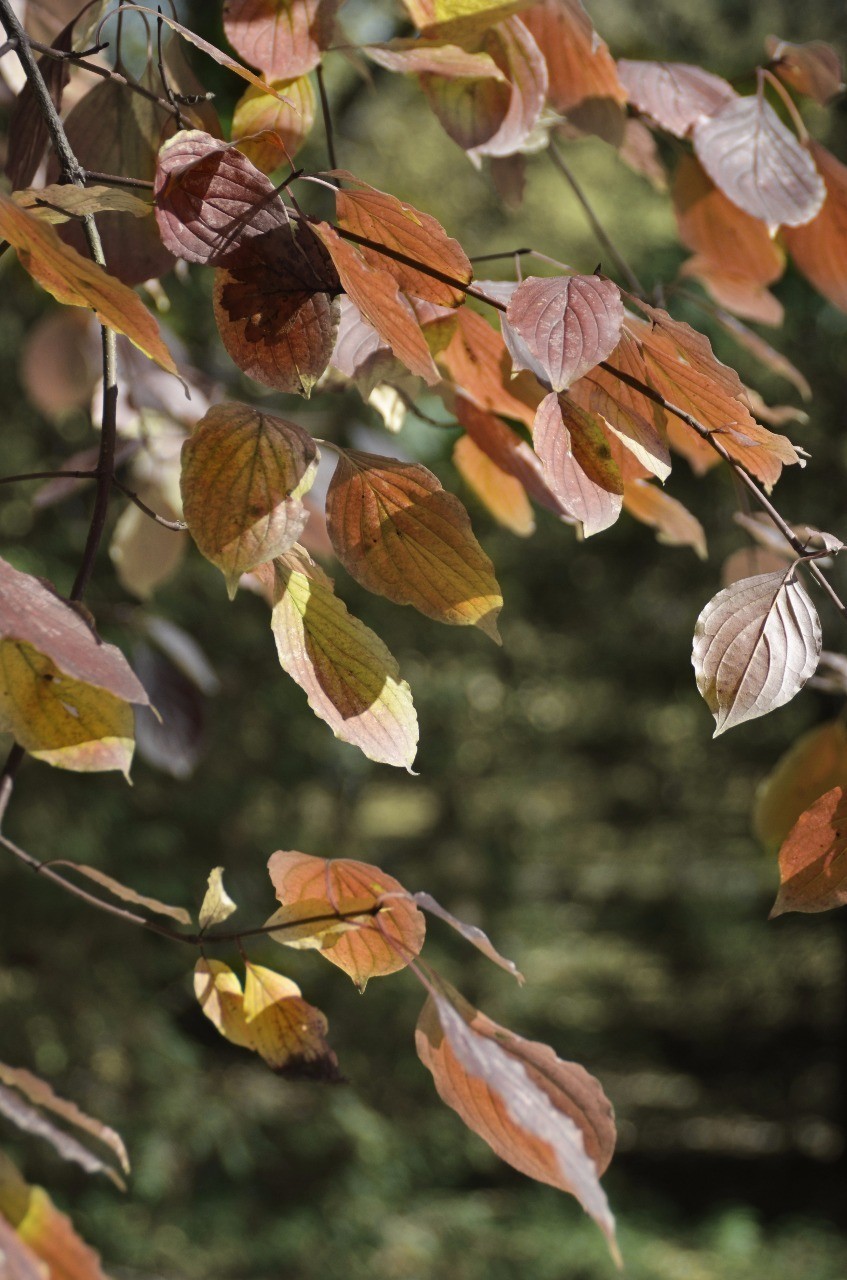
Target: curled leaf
217, 905
471, 933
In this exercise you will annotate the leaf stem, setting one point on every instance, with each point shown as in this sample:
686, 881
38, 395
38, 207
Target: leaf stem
105, 73
790, 104
178, 526
49, 475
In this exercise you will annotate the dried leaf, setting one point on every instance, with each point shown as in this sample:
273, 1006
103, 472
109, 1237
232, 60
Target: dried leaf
56, 204
755, 646
721, 233
27, 131
79, 282
547, 1118
31, 1120
813, 859
748, 152
811, 766
577, 462
500, 493
350, 678
401, 535
270, 132
217, 905
384, 946
814, 68
122, 891
584, 82
243, 474
284, 38
286, 1031
674, 524
819, 248
40, 1093
674, 94
471, 933
569, 324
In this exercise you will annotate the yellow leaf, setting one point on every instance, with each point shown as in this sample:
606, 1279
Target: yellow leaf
287, 1032
217, 904
269, 131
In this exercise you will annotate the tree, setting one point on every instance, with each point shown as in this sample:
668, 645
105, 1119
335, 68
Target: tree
376, 296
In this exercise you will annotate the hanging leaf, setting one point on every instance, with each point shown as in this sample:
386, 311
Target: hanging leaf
146, 554
814, 68
350, 678
547, 1118
217, 905
221, 998
270, 132
471, 933
811, 766
79, 282
674, 524
569, 324
755, 646
819, 248
577, 462
53, 1238
504, 497
475, 13
243, 474
721, 233
284, 38
401, 535
27, 133
122, 891
383, 218
40, 1093
286, 1031
584, 82
751, 156
393, 938
479, 365
509, 451
734, 292
813, 859
674, 94
640, 437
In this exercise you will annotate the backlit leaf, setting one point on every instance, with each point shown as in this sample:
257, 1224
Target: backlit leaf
122, 891
401, 535
639, 436
56, 204
270, 132
584, 82
385, 219
819, 248
418, 56
286, 1031
577, 462
146, 554
350, 678
31, 1119
813, 68
471, 933
383, 946
674, 94
284, 38
749, 153
243, 474
569, 324
79, 282
221, 998
547, 1118
314, 924
52, 1236
674, 524
811, 766
19, 1261
716, 229
428, 13
217, 905
734, 292
40, 1093
509, 451
813, 859
500, 493
478, 363
755, 646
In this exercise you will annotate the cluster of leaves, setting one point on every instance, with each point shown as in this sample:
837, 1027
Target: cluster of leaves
577, 404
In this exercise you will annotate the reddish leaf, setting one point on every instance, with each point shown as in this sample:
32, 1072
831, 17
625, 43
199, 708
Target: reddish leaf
383, 218
755, 646
584, 83
674, 94
508, 451
401, 535
811, 766
721, 233
547, 1118
569, 324
813, 859
471, 933
479, 365
819, 248
734, 292
500, 493
385, 945
814, 68
284, 38
639, 437
674, 523
748, 152
569, 443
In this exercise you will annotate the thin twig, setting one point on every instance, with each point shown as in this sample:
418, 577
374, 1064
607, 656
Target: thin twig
327, 115
496, 257
596, 226
105, 73
163, 75
49, 475
178, 526
117, 179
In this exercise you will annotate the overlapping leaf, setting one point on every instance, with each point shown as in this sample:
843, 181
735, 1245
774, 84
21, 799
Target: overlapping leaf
751, 156
813, 68
509, 451
56, 204
548, 1118
268, 131
813, 859
584, 82
419, 57
384, 945
243, 474
755, 646
578, 465
568, 324
674, 94
286, 1031
478, 363
401, 535
500, 493
350, 678
674, 524
284, 38
812, 766
819, 248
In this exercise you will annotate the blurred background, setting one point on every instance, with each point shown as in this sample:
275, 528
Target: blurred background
570, 799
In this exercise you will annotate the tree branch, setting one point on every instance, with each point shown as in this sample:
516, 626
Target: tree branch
327, 116
178, 526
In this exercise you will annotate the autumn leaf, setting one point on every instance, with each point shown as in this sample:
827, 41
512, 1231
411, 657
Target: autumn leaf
819, 248
270, 132
755, 646
19, 1261
284, 38
217, 905
813, 68
584, 82
577, 463
674, 94
643, 445
419, 56
243, 474
401, 535
288, 1033
471, 933
56, 204
674, 524
383, 218
146, 554
314, 924
221, 998
547, 1118
811, 766
509, 452
350, 678
31, 1118
750, 155
813, 859
79, 282
124, 892
568, 324
430, 13
384, 945
478, 363
504, 497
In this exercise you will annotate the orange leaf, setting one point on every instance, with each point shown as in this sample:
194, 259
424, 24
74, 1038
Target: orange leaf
286, 1031
819, 248
812, 765
584, 82
284, 38
500, 493
52, 1236
813, 859
713, 227
380, 947
508, 451
674, 523
479, 365
813, 68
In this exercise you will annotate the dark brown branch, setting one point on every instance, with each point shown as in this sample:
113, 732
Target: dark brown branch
178, 526
49, 475
117, 180
327, 117
105, 73
105, 462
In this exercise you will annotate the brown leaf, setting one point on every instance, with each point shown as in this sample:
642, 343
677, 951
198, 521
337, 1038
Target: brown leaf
674, 94
813, 68
351, 679
243, 474
56, 204
79, 282
813, 859
811, 766
123, 891
577, 463
401, 535
284, 38
27, 132
755, 646
721, 233
749, 153
569, 324
509, 451
674, 524
383, 946
819, 248
504, 497
584, 82
385, 219
270, 132
420, 56
479, 365
471, 933
547, 1118
286, 1031
40, 1093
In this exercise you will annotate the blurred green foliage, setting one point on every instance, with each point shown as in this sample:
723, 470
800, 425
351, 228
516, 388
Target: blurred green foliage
570, 799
